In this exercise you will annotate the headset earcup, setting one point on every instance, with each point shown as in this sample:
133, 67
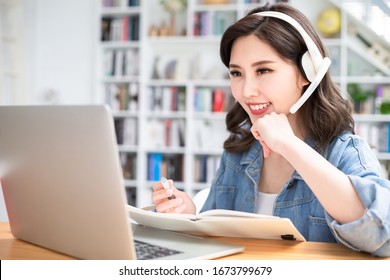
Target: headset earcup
308, 67
313, 85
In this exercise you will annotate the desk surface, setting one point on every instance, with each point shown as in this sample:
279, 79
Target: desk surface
12, 248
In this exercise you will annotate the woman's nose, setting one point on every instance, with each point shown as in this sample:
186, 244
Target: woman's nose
250, 88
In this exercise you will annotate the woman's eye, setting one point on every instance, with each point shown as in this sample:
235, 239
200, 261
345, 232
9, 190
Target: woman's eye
235, 74
263, 71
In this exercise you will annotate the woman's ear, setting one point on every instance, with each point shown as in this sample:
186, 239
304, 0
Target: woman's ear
302, 80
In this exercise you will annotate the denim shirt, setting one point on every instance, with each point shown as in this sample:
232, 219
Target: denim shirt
235, 187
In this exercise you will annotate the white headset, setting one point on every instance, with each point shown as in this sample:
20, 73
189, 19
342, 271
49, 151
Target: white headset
313, 64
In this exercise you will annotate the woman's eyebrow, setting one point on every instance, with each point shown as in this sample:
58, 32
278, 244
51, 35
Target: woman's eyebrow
262, 62
257, 63
232, 65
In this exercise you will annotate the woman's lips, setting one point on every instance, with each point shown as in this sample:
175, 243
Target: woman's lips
259, 109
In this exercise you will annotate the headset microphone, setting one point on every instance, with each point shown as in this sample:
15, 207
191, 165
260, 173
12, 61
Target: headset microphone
313, 64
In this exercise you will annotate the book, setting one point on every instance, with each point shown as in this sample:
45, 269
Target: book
133, 89
125, 29
218, 100
384, 138
219, 222
130, 132
205, 167
154, 166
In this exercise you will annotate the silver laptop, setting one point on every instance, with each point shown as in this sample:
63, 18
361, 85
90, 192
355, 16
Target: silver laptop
63, 187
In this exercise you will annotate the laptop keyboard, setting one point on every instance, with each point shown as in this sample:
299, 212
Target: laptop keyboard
147, 251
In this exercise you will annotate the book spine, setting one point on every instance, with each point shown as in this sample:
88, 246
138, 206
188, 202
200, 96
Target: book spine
129, 163
388, 137
205, 167
134, 28
118, 70
173, 98
204, 24
105, 26
383, 138
166, 99
107, 3
119, 130
108, 63
125, 28
218, 100
168, 133
196, 28
181, 99
155, 160
133, 97
169, 166
130, 132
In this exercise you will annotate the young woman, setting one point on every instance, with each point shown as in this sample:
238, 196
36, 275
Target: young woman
307, 165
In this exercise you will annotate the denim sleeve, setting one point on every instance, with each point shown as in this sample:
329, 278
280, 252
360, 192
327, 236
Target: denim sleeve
209, 204
370, 233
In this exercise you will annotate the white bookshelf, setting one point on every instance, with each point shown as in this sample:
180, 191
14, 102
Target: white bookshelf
209, 73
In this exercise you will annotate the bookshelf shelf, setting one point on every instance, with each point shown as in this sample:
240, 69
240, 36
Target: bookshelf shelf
371, 118
120, 45
167, 150
120, 11
120, 79
166, 82
215, 7
196, 54
125, 114
210, 115
177, 40
368, 80
166, 115
383, 156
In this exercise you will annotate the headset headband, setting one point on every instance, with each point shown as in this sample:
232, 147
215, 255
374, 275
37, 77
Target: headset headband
319, 65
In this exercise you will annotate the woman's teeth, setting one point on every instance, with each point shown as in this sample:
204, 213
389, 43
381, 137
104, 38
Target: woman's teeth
259, 106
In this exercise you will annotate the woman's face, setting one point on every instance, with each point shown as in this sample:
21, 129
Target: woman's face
260, 80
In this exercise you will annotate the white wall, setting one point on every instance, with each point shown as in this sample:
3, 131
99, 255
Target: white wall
61, 44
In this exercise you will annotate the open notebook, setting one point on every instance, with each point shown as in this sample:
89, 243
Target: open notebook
63, 187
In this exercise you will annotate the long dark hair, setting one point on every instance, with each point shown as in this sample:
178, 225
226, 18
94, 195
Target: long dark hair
323, 116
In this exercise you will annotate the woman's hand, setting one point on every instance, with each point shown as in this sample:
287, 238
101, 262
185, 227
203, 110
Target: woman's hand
257, 135
272, 131
182, 203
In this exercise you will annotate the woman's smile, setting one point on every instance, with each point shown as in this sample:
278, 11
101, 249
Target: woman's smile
259, 108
